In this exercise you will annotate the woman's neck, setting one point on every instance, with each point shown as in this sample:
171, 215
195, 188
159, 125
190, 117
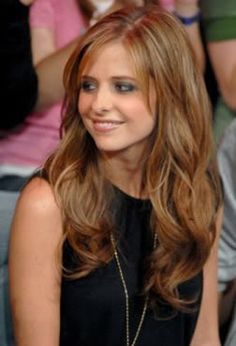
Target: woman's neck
125, 174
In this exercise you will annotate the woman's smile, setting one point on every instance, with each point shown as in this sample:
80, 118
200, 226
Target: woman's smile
106, 125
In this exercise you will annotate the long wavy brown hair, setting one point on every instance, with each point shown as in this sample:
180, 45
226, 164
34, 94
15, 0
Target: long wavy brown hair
180, 174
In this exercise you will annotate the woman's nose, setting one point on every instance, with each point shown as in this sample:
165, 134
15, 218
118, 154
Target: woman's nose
102, 101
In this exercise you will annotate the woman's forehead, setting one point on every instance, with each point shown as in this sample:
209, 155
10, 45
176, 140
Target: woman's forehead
115, 51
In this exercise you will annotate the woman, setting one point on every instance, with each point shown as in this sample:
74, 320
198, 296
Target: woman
121, 227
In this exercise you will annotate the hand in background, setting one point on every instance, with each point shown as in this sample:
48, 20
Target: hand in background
186, 7
186, 2
26, 2
101, 8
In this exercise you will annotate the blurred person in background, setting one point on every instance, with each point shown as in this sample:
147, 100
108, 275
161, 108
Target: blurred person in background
23, 148
220, 28
227, 243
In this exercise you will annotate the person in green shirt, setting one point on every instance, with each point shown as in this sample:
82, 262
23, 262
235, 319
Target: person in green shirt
220, 29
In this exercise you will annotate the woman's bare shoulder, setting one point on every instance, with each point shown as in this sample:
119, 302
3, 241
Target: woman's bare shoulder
37, 206
38, 195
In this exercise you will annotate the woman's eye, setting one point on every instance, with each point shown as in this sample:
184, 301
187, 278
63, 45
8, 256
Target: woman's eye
87, 86
124, 87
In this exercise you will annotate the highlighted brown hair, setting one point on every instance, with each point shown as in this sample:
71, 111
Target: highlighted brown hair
180, 175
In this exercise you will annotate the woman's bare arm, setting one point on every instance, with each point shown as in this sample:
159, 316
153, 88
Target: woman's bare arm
34, 268
207, 329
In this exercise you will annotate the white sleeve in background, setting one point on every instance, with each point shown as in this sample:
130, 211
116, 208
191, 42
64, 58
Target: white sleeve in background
227, 166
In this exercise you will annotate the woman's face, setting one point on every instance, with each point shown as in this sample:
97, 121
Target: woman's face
112, 105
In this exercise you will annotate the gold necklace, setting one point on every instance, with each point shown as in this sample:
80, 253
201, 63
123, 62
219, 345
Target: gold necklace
127, 312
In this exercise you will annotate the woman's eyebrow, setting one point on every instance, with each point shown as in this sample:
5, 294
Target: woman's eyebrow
117, 77
87, 77
122, 77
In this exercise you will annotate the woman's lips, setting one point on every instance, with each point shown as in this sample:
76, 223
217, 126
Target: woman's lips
105, 126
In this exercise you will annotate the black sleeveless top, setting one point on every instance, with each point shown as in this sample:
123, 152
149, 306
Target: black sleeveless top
93, 308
